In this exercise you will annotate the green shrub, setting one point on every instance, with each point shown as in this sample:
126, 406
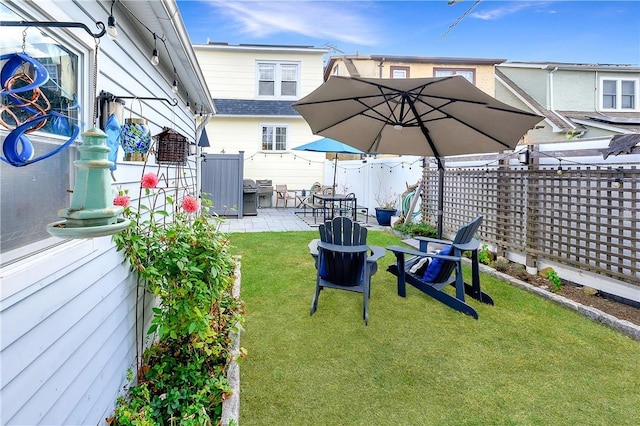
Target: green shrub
485, 255
416, 230
554, 279
187, 265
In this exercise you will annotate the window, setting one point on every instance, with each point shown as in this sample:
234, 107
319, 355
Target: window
274, 138
619, 94
31, 195
278, 80
468, 73
399, 72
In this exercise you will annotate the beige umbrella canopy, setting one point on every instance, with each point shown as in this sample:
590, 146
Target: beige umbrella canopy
430, 117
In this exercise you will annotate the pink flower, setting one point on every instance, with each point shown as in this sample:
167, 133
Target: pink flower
121, 200
190, 204
150, 180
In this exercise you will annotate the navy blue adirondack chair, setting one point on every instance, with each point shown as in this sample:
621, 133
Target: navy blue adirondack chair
445, 268
344, 261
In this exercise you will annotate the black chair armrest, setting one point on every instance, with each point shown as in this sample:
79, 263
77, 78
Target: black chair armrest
376, 253
343, 249
403, 250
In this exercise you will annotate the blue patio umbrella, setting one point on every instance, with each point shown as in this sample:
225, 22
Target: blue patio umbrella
329, 145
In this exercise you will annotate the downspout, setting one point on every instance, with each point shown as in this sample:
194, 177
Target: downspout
380, 66
551, 106
550, 91
597, 94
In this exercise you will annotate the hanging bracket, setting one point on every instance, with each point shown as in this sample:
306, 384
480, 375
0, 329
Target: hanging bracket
53, 24
110, 97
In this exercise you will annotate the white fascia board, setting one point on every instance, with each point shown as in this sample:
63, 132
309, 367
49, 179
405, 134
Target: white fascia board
174, 24
603, 126
262, 117
265, 48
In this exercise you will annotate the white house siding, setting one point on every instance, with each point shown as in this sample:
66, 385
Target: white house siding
289, 167
68, 313
230, 72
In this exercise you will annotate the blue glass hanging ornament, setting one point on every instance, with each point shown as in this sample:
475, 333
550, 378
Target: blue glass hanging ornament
135, 138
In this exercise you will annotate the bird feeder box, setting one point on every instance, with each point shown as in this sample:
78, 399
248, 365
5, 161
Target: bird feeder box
173, 147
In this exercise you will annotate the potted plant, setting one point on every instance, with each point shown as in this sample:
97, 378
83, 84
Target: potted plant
387, 201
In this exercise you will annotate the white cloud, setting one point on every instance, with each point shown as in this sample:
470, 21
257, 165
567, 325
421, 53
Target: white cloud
342, 21
507, 8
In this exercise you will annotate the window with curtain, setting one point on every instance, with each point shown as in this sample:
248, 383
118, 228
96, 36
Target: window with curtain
278, 79
274, 137
31, 195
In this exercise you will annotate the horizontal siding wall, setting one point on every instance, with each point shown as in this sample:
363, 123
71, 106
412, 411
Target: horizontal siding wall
68, 320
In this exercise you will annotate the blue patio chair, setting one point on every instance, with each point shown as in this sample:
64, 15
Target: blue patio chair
343, 260
444, 268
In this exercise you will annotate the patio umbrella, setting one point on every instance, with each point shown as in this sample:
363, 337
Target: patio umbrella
430, 117
329, 145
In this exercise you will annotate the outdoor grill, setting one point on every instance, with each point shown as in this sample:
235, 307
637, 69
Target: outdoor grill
265, 192
249, 191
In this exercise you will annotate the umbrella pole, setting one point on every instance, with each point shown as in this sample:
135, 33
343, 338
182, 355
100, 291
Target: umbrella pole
440, 197
335, 170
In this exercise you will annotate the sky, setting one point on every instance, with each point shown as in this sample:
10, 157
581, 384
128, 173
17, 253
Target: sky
604, 32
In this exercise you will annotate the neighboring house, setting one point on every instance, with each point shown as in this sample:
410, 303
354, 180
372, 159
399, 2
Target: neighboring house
479, 71
68, 307
253, 87
577, 100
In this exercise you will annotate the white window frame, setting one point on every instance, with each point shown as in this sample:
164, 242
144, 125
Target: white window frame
446, 71
277, 89
274, 127
21, 259
399, 71
618, 81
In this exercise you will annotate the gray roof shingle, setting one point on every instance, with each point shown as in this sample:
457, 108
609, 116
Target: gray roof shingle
255, 107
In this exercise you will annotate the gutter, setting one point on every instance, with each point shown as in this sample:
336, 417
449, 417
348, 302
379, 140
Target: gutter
173, 13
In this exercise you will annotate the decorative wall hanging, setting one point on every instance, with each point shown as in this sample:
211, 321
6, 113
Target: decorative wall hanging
27, 109
135, 138
172, 147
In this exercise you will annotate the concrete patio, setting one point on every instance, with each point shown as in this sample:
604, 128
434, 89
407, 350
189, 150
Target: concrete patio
282, 219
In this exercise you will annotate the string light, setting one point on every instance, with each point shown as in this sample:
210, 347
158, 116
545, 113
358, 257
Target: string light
112, 30
559, 171
617, 183
174, 86
155, 60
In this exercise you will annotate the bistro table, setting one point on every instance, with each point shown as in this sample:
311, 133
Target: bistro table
329, 202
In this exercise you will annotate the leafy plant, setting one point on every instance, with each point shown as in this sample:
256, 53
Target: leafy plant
485, 255
413, 229
554, 279
184, 261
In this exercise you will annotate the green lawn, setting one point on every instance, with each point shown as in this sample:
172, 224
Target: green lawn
526, 361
